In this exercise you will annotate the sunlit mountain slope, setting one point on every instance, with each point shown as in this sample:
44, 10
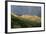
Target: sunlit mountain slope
25, 21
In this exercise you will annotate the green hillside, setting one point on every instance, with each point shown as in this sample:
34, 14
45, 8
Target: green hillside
26, 22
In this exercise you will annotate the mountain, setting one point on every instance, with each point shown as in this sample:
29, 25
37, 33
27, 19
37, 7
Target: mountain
25, 21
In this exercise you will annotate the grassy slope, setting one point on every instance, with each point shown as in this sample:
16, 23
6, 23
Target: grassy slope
20, 22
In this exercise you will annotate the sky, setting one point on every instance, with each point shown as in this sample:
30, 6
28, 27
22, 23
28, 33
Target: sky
26, 10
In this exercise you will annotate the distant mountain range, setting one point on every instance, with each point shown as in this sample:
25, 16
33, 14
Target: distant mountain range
26, 10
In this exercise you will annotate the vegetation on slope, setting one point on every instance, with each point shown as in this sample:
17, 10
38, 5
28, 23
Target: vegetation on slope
25, 21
